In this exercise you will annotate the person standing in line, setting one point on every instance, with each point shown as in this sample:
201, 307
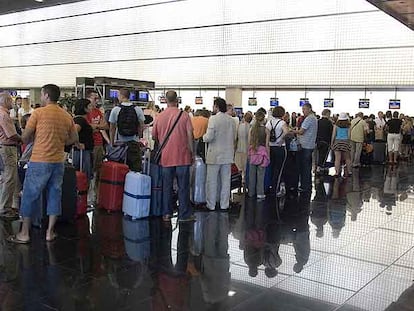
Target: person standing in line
176, 157
242, 143
200, 124
126, 126
51, 128
341, 144
86, 139
278, 152
358, 131
9, 140
99, 125
293, 121
380, 127
323, 139
258, 150
394, 137
220, 155
24, 110
307, 134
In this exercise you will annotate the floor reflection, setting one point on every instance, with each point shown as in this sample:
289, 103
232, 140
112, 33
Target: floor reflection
348, 245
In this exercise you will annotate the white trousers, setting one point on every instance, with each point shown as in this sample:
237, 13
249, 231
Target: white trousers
218, 185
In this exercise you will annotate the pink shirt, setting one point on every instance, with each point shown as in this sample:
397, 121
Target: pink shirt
176, 151
7, 128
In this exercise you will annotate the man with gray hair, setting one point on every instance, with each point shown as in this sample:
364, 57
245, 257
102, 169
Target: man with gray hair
9, 140
323, 138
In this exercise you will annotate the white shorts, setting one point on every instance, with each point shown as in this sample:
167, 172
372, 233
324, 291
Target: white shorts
393, 141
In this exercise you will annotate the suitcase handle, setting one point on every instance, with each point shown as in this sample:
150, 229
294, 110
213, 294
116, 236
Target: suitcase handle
80, 158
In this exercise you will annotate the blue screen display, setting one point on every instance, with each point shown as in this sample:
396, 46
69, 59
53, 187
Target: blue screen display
274, 102
395, 104
143, 96
132, 96
303, 101
113, 93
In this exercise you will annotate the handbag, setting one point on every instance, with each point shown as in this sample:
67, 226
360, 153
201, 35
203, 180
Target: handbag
117, 153
156, 156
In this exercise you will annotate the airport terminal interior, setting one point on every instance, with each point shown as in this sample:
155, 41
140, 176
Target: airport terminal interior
346, 243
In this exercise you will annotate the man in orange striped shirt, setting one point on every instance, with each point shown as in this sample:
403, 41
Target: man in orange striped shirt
50, 128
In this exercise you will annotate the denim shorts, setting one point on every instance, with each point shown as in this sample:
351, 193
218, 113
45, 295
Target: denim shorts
42, 178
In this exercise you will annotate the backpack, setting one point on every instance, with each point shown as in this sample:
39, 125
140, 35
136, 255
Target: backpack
127, 121
273, 137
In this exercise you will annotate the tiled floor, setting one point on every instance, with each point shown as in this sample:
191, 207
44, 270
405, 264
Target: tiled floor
347, 246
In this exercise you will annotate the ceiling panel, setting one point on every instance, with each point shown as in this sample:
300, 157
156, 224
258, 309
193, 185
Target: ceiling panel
10, 6
402, 10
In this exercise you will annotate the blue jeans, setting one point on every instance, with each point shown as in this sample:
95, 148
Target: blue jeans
183, 180
40, 177
305, 168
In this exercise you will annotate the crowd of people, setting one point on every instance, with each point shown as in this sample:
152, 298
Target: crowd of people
276, 152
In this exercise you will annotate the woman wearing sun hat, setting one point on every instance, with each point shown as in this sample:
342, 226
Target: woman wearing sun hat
341, 144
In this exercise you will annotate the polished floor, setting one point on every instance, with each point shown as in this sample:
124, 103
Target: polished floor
347, 246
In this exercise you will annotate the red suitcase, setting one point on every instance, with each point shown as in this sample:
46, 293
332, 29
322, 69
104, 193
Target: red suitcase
111, 187
82, 186
82, 193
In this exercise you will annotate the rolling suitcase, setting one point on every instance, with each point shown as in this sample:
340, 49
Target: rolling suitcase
156, 190
137, 239
81, 188
155, 171
198, 181
69, 195
379, 153
236, 178
137, 195
111, 187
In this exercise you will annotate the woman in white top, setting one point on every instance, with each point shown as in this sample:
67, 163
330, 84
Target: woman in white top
278, 151
242, 144
25, 109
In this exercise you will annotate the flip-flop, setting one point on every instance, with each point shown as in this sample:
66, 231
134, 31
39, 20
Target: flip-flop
53, 238
14, 239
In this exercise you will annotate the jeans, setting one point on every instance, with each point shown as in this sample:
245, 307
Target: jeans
40, 177
356, 149
256, 180
183, 181
9, 187
305, 168
278, 157
218, 185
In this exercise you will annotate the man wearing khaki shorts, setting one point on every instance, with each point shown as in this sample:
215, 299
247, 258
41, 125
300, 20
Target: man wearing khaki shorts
97, 121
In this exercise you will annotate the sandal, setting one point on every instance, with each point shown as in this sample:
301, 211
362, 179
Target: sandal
14, 239
54, 237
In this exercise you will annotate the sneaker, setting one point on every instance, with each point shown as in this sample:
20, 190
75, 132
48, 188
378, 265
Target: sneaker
282, 191
261, 197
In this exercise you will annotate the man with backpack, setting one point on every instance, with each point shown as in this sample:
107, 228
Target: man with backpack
126, 125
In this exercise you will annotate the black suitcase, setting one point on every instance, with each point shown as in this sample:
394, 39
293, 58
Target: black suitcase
379, 154
291, 172
68, 194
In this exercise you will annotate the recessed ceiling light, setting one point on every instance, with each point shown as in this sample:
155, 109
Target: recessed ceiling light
39, 0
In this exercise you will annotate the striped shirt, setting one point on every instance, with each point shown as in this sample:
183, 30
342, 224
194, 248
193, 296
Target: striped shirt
52, 126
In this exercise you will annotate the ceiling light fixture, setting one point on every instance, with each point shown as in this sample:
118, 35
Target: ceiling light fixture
39, 0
